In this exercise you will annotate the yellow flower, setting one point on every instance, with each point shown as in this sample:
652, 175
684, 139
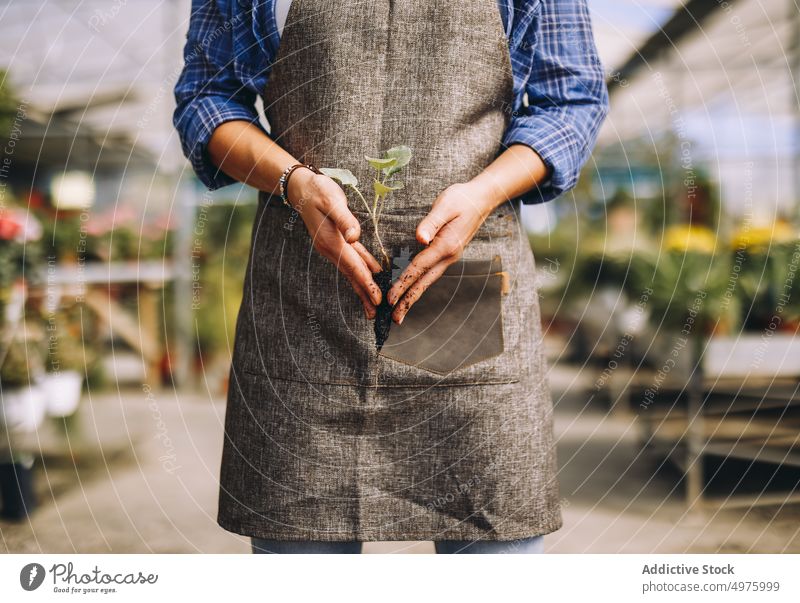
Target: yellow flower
684, 237
756, 237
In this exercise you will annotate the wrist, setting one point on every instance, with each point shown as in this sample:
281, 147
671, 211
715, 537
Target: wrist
297, 184
485, 193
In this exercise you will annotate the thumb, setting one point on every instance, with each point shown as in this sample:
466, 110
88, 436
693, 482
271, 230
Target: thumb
345, 221
433, 223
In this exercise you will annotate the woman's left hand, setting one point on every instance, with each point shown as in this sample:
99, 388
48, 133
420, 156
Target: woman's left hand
455, 217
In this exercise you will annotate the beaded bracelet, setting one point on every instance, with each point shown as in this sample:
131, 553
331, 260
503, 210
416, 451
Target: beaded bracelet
283, 183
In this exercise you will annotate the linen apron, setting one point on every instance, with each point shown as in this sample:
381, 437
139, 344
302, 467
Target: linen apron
325, 438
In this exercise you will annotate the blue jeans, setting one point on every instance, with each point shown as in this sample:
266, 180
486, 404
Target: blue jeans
523, 546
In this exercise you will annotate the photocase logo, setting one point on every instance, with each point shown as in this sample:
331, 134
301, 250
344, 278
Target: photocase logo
31, 576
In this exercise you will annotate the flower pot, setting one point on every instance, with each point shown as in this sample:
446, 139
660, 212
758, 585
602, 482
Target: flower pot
22, 409
62, 392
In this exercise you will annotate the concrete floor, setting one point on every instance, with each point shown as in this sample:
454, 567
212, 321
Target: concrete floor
150, 485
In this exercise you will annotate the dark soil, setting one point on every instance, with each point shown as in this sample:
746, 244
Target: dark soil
383, 315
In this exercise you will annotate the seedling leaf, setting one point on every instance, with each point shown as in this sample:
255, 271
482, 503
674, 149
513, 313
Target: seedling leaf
381, 163
402, 155
382, 189
343, 176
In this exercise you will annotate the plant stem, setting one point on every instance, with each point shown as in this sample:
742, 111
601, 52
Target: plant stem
385, 261
380, 211
363, 200
376, 218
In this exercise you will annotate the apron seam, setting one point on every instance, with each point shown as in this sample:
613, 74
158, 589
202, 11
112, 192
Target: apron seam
264, 375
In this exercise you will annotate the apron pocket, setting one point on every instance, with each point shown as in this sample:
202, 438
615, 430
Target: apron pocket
456, 323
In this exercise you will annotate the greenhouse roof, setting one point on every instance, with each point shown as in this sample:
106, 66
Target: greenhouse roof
110, 66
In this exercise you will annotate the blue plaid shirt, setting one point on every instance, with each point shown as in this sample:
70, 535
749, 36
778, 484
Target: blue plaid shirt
560, 96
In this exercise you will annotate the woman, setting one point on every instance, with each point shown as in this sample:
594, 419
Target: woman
446, 434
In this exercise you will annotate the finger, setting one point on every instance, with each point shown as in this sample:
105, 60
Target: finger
422, 262
415, 292
431, 224
368, 258
345, 221
348, 272
352, 265
369, 307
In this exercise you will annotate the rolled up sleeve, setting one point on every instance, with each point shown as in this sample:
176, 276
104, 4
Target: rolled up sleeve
208, 92
567, 98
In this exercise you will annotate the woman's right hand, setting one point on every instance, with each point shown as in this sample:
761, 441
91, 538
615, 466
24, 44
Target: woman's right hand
335, 231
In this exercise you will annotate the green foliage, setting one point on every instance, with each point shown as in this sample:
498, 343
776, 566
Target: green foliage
18, 259
402, 155
381, 189
62, 235
344, 177
71, 342
222, 263
685, 287
768, 280
23, 362
9, 105
381, 164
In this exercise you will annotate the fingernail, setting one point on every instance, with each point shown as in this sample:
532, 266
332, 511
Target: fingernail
350, 233
425, 236
390, 298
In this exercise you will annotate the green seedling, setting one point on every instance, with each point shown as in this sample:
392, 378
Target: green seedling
383, 184
393, 160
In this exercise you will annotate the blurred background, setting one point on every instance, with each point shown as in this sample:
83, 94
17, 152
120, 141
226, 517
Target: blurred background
668, 287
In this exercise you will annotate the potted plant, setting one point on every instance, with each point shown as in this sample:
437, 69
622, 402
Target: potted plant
688, 276
392, 162
22, 410
766, 277
63, 380
20, 253
20, 352
113, 235
684, 285
22, 397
